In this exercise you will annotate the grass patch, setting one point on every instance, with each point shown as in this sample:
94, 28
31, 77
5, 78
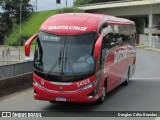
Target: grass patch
31, 25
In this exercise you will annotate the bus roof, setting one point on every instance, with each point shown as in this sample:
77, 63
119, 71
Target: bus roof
80, 23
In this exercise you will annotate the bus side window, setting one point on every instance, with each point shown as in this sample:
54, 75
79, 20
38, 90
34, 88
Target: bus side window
38, 54
110, 41
101, 59
132, 40
106, 45
124, 38
118, 39
127, 34
128, 39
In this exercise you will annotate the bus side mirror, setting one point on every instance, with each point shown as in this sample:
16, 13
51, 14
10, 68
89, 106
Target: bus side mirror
28, 44
97, 47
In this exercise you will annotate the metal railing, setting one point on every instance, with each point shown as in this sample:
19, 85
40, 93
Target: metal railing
15, 69
102, 3
150, 41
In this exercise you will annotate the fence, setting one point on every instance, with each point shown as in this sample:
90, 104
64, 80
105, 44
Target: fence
12, 55
150, 41
15, 69
101, 3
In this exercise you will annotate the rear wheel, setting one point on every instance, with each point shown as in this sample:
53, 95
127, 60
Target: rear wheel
127, 79
52, 101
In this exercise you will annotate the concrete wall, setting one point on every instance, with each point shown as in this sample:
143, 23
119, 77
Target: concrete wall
10, 70
129, 10
149, 9
16, 83
15, 77
156, 19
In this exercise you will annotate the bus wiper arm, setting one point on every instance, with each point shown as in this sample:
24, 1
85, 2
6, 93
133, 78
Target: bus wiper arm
67, 61
58, 61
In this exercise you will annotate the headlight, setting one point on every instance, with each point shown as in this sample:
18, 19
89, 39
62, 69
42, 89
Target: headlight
89, 85
37, 84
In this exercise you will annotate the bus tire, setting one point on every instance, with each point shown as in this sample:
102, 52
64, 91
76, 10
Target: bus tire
52, 101
126, 82
102, 98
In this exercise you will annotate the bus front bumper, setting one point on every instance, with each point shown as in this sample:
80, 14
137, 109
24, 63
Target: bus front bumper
80, 96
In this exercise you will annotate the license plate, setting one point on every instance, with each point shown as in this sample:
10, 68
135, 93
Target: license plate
61, 99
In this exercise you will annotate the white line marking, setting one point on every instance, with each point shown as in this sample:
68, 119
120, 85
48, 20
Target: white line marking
22, 94
145, 78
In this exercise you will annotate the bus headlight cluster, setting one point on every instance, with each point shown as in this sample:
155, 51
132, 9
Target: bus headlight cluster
37, 84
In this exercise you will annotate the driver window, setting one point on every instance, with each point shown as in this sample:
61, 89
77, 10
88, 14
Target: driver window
109, 41
38, 55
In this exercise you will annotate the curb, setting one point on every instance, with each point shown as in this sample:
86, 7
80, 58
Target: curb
149, 48
157, 118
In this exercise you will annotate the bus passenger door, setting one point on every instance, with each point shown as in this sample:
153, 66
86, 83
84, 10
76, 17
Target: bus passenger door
110, 70
120, 59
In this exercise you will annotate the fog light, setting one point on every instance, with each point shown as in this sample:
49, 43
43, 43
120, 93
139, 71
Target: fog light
92, 94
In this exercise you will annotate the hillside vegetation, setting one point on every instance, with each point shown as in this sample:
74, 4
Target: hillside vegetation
32, 25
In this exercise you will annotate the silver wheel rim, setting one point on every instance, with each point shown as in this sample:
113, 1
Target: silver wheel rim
128, 77
103, 93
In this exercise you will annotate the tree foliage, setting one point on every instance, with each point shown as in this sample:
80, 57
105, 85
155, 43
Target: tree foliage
12, 8
3, 29
11, 13
82, 2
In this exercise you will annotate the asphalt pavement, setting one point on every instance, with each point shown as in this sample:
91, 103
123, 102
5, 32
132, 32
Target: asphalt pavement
142, 94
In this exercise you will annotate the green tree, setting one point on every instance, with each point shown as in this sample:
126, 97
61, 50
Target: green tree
11, 14
6, 19
82, 2
12, 8
3, 27
3, 31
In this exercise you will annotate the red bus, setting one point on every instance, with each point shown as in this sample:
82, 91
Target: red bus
80, 57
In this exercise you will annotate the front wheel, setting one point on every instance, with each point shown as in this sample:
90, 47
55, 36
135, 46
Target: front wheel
102, 98
127, 79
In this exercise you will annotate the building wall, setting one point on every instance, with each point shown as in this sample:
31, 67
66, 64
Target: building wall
145, 12
129, 11
156, 19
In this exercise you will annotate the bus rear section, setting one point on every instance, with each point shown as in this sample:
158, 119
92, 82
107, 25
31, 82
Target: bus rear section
82, 57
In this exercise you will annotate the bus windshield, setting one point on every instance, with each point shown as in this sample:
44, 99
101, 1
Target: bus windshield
65, 54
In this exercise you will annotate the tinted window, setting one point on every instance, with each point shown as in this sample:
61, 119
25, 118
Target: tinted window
126, 34
66, 55
109, 41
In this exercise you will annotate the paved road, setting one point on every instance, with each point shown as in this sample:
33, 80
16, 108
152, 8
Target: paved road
142, 94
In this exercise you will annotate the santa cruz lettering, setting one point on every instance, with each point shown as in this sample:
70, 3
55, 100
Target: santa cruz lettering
67, 28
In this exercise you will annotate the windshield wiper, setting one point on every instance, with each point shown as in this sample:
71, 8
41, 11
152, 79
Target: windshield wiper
67, 61
57, 62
